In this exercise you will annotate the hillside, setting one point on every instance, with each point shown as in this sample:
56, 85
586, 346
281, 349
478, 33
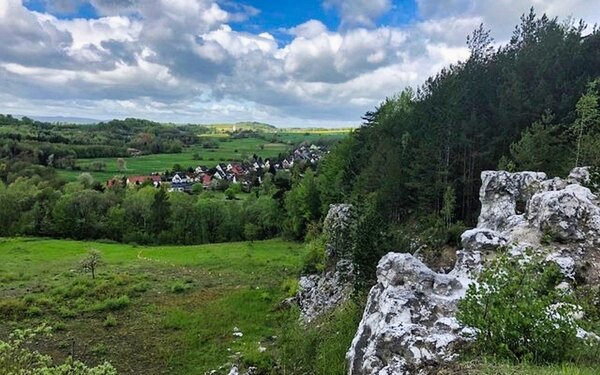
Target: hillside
156, 310
239, 126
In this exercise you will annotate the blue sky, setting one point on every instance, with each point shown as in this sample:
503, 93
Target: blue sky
289, 63
272, 16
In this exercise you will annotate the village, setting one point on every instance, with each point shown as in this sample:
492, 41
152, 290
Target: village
246, 173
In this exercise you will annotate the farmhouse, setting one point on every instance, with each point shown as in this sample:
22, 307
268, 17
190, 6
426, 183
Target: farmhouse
139, 180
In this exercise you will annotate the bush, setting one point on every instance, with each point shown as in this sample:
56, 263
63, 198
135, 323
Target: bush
454, 232
321, 347
65, 312
17, 358
178, 287
11, 309
290, 286
112, 304
517, 311
110, 321
314, 260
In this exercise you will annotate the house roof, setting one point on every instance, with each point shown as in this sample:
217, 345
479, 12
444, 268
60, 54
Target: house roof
142, 179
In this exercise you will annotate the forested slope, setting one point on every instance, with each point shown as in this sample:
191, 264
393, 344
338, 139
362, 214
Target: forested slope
414, 164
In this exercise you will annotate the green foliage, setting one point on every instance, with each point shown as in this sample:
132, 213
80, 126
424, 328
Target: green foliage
290, 286
17, 359
454, 232
314, 260
112, 304
371, 240
178, 287
586, 127
110, 321
320, 348
303, 206
540, 148
91, 262
518, 312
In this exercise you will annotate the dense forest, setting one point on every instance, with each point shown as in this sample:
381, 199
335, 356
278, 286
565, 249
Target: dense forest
413, 168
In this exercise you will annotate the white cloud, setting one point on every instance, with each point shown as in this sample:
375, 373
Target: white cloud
359, 12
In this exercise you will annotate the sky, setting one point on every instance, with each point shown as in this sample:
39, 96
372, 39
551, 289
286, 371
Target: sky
284, 62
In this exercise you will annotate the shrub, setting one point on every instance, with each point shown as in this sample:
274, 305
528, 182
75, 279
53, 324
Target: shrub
290, 286
321, 347
112, 304
66, 312
34, 311
314, 260
454, 232
517, 311
110, 321
12, 309
17, 358
178, 287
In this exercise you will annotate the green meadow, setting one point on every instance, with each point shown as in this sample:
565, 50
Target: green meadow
229, 149
151, 310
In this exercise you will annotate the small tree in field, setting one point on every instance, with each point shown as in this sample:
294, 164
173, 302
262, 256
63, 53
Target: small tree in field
91, 262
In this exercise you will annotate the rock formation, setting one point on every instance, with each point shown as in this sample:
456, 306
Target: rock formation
409, 324
322, 292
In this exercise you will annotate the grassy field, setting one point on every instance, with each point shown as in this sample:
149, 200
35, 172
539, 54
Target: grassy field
152, 310
295, 136
228, 150
236, 149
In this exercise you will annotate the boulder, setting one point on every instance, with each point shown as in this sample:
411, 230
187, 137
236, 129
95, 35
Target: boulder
570, 214
318, 294
580, 175
482, 240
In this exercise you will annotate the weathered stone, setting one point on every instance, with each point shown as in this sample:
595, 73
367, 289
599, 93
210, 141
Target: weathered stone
320, 293
503, 195
482, 240
579, 175
409, 323
570, 214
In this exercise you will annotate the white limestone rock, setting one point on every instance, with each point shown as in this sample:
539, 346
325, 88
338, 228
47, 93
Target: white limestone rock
482, 240
570, 214
502, 193
408, 325
579, 175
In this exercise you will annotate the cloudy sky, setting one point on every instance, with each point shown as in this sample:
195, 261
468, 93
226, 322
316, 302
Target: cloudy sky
286, 62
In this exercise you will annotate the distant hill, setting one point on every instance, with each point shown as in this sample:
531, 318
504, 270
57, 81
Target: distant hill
246, 125
63, 119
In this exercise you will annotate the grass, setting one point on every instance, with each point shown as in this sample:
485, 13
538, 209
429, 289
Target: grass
230, 150
158, 310
492, 367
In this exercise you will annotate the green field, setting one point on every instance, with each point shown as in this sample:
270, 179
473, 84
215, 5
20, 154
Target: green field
235, 149
150, 310
228, 150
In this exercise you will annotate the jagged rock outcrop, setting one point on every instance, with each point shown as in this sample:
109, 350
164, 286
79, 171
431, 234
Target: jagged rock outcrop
409, 325
320, 293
